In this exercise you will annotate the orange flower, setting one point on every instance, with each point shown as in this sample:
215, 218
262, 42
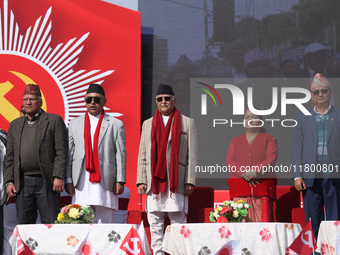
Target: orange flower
75, 206
289, 226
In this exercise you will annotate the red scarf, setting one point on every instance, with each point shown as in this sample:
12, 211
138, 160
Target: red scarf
92, 157
159, 143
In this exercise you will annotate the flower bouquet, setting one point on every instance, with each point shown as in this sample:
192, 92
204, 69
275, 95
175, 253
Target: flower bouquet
75, 214
230, 211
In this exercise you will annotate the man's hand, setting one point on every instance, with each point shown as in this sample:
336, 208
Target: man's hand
119, 188
300, 184
189, 188
69, 187
58, 185
8, 200
11, 192
142, 189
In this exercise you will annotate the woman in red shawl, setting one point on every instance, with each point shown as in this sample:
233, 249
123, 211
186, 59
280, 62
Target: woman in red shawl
248, 157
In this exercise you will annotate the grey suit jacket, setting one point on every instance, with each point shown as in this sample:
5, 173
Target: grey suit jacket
187, 155
111, 149
52, 142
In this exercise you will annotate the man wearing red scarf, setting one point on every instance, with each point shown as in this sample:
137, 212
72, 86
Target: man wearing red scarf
96, 169
166, 165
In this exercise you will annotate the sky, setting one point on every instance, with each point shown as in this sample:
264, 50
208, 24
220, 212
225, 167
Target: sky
181, 22
183, 26
130, 4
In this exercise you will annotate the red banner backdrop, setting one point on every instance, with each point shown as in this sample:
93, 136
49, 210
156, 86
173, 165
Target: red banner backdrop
64, 45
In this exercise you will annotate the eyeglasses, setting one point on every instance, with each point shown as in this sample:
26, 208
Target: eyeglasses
27, 99
160, 99
323, 91
97, 100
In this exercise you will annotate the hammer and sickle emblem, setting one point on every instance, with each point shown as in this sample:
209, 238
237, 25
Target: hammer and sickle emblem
135, 250
9, 112
309, 241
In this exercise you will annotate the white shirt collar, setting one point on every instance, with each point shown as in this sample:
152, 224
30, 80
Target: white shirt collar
165, 119
322, 114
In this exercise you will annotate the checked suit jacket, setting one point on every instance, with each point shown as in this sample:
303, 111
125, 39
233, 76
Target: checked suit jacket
187, 155
52, 142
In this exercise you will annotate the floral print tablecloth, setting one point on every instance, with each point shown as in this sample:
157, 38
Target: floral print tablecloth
207, 238
328, 232
82, 239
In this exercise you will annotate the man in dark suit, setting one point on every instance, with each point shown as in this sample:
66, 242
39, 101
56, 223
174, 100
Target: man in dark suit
36, 160
316, 156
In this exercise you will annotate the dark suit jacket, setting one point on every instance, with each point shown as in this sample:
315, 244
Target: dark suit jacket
304, 145
53, 148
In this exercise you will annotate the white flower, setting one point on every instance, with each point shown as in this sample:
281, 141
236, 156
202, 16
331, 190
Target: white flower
240, 205
246, 206
235, 214
234, 205
216, 215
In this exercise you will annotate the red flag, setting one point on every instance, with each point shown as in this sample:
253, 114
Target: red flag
131, 243
141, 235
305, 243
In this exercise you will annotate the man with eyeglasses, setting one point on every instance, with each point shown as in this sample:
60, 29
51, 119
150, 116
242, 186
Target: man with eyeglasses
166, 165
315, 156
96, 169
36, 160
315, 60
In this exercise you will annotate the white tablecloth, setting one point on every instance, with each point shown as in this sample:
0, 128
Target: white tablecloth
328, 232
93, 239
256, 238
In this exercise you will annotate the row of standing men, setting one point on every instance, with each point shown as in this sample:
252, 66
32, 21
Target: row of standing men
92, 160
89, 161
